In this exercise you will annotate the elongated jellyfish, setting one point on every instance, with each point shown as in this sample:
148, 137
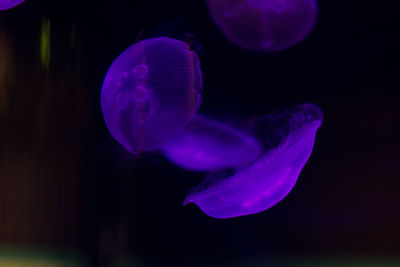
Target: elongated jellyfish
7, 4
209, 145
264, 25
269, 179
150, 92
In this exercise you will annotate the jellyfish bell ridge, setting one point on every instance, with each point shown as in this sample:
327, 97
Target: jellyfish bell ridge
277, 6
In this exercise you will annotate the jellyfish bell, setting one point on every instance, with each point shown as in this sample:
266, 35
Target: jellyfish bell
264, 25
8, 4
209, 145
269, 179
150, 92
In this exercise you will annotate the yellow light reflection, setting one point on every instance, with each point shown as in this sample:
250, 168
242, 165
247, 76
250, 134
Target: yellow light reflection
45, 43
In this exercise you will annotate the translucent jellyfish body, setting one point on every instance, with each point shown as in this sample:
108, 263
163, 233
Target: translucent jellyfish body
269, 179
266, 25
208, 145
7, 4
150, 92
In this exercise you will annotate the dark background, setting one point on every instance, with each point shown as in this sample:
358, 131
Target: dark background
65, 184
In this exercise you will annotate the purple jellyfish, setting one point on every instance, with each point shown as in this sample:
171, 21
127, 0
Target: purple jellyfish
265, 25
150, 92
269, 179
208, 145
7, 4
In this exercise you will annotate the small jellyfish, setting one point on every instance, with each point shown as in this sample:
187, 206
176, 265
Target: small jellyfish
264, 25
209, 145
150, 92
269, 179
7, 4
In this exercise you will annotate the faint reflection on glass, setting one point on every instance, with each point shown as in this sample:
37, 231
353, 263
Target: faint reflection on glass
6, 71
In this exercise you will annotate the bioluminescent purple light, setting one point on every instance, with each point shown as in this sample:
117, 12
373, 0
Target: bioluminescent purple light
208, 145
7, 4
266, 25
150, 92
266, 181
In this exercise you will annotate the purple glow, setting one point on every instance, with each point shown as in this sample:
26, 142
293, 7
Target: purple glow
150, 92
207, 145
266, 25
7, 4
266, 181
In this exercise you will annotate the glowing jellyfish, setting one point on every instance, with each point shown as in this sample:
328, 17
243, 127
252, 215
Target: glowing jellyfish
266, 25
207, 145
266, 181
7, 4
150, 92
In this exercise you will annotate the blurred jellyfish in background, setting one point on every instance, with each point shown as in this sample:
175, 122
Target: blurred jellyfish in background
150, 92
209, 145
264, 25
7, 4
269, 179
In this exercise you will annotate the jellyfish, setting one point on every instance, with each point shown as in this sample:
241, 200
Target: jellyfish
7, 4
208, 145
269, 179
150, 92
264, 25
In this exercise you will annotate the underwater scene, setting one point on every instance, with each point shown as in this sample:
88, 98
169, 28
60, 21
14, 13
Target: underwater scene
199, 133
